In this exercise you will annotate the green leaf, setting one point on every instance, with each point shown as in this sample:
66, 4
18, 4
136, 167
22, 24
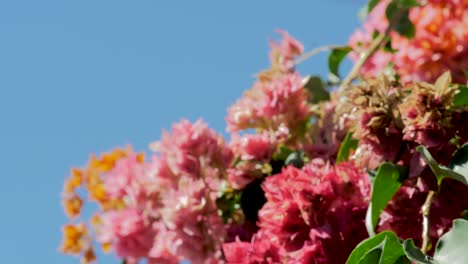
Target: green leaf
409, 3
398, 14
451, 247
461, 98
404, 26
296, 159
228, 203
415, 254
388, 46
440, 171
386, 183
347, 145
317, 89
392, 10
282, 152
384, 248
336, 57
371, 5
459, 162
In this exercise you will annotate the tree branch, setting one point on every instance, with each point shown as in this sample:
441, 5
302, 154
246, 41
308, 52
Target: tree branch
315, 51
375, 45
426, 209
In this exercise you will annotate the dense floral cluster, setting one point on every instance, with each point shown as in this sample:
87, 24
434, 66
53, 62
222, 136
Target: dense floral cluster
310, 214
146, 204
440, 42
277, 102
281, 191
390, 121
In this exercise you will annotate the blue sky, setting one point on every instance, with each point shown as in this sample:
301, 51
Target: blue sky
85, 76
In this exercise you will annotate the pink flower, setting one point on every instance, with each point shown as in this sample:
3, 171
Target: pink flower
252, 152
260, 250
403, 213
326, 132
128, 232
253, 147
125, 178
271, 105
193, 150
191, 217
440, 43
283, 53
311, 213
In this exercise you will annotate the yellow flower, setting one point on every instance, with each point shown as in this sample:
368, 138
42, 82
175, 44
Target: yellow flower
72, 205
75, 238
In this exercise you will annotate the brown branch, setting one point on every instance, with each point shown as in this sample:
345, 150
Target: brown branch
315, 51
426, 209
375, 45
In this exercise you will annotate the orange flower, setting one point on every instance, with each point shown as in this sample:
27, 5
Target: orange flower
75, 238
107, 160
88, 256
74, 180
72, 205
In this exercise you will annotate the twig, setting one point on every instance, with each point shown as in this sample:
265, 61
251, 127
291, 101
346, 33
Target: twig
426, 209
315, 51
375, 45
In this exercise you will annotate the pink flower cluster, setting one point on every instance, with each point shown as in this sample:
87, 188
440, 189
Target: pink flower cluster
440, 42
169, 212
403, 213
276, 107
311, 214
277, 101
390, 120
253, 152
201, 199
271, 105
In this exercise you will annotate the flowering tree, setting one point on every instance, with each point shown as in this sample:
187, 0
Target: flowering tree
369, 168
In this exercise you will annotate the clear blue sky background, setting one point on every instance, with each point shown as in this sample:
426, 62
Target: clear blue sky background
85, 76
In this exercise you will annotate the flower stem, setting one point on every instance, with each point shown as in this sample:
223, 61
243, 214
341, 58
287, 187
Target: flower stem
315, 51
426, 209
375, 45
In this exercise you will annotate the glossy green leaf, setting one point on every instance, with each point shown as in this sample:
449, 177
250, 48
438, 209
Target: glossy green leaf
440, 171
282, 152
461, 98
459, 162
452, 247
297, 159
392, 10
404, 26
386, 183
384, 248
371, 5
228, 203
415, 254
388, 46
398, 13
409, 3
348, 144
317, 89
335, 58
